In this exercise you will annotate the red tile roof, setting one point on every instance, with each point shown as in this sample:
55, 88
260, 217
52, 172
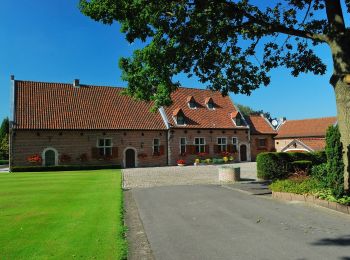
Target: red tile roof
317, 144
201, 116
42, 105
259, 125
315, 127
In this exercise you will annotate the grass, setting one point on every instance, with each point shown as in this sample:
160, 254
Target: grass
62, 215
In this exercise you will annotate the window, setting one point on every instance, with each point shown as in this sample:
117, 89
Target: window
182, 145
156, 145
262, 143
239, 120
235, 144
199, 143
222, 144
105, 147
180, 119
210, 104
192, 104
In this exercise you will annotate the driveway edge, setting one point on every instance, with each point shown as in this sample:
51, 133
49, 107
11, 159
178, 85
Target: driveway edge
139, 247
311, 199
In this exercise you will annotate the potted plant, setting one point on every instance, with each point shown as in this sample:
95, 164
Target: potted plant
196, 162
181, 162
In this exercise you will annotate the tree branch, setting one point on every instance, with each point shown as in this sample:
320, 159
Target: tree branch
335, 16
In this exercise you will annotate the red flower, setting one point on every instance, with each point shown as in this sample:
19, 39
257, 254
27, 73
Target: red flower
180, 161
36, 158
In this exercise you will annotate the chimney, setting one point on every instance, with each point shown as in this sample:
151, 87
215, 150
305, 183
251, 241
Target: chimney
76, 83
12, 77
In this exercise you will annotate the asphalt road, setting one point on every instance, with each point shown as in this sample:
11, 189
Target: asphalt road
212, 222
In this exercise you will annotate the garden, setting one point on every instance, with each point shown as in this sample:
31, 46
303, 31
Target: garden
62, 215
320, 174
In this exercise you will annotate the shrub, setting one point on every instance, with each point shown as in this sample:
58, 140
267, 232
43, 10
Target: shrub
308, 186
301, 166
62, 168
4, 162
279, 165
335, 165
271, 166
319, 172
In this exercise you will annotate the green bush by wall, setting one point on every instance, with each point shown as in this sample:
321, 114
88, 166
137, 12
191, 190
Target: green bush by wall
272, 166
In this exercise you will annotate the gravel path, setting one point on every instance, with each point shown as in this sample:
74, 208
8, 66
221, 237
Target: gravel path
176, 175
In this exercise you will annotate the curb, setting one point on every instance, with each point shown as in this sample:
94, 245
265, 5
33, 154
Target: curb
311, 199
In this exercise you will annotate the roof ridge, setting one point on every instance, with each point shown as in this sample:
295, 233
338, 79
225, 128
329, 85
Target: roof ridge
313, 118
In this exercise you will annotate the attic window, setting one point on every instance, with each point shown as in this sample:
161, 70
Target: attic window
237, 118
191, 102
210, 103
179, 117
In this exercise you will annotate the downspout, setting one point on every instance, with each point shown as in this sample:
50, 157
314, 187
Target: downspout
12, 120
167, 126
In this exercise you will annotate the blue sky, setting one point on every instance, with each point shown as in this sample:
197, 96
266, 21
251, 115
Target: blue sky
52, 41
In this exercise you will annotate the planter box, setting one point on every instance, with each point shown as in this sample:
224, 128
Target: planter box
229, 174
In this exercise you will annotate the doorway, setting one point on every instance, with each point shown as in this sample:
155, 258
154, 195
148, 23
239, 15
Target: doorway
130, 158
243, 152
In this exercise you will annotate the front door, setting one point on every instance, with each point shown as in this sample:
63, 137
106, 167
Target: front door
130, 158
50, 158
243, 152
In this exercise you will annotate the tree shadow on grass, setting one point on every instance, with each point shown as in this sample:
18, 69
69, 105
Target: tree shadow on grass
338, 241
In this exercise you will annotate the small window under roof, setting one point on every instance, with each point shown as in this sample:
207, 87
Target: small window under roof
191, 102
210, 103
179, 116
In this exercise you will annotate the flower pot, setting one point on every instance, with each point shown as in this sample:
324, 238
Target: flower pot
180, 164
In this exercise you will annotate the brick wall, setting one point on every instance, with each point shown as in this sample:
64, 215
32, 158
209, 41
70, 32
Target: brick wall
256, 146
210, 140
76, 143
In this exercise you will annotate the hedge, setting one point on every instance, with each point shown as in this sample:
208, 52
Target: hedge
4, 162
62, 168
272, 166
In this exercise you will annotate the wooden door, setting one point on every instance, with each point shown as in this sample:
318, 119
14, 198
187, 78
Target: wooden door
130, 158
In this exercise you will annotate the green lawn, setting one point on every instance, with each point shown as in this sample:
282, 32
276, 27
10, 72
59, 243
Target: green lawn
62, 215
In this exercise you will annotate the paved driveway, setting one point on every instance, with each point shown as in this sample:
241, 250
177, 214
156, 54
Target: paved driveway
213, 222
176, 175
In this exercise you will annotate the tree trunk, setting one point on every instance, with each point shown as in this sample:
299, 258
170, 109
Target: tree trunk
342, 93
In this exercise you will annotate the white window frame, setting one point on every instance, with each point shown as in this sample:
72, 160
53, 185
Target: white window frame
235, 143
156, 145
180, 144
104, 146
222, 145
200, 145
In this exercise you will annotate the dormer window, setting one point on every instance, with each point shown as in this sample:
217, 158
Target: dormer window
191, 102
237, 118
210, 103
179, 117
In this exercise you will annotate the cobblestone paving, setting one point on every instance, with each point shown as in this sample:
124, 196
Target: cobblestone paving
177, 175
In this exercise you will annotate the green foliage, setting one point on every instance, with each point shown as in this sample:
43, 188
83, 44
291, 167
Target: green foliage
307, 186
4, 128
4, 147
247, 111
214, 40
62, 168
272, 166
319, 172
335, 165
217, 161
302, 165
4, 162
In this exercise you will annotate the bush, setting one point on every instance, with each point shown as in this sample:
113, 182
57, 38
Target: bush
279, 165
303, 165
308, 186
272, 166
319, 172
4, 162
62, 168
335, 165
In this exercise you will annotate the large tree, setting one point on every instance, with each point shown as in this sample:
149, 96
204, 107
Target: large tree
230, 45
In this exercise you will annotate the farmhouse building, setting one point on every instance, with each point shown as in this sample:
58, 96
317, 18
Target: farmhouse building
71, 124
305, 135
